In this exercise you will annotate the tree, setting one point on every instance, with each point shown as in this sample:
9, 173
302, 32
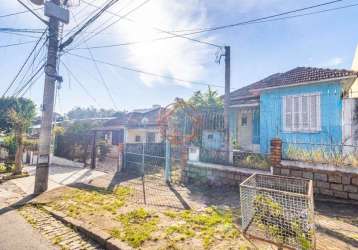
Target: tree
16, 115
207, 100
91, 112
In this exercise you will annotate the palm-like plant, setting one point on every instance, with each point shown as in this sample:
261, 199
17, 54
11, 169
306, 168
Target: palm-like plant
20, 124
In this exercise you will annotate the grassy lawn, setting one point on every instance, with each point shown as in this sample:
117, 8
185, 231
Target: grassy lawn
149, 227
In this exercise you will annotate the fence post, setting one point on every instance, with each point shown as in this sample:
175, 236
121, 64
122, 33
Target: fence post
276, 152
94, 151
167, 161
184, 157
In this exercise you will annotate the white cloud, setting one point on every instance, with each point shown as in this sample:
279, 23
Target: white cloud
175, 57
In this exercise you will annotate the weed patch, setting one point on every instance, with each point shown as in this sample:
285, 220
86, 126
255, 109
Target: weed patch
77, 202
137, 227
209, 225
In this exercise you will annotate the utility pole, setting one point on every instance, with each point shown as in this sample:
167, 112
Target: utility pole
51, 76
227, 103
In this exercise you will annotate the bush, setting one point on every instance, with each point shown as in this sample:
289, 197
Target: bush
10, 144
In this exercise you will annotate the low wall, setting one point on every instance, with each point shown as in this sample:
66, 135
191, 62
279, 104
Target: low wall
339, 182
200, 173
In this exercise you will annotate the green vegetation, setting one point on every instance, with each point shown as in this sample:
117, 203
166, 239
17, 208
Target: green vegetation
137, 227
91, 112
57, 240
204, 225
16, 115
207, 100
256, 161
6, 168
270, 217
80, 202
333, 157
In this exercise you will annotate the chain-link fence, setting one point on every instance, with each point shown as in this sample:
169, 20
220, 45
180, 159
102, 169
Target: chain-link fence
145, 158
279, 209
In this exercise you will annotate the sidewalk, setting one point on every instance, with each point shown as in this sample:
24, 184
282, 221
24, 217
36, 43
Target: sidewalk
59, 175
15, 232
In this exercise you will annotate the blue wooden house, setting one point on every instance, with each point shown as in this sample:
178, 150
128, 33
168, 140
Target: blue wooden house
304, 107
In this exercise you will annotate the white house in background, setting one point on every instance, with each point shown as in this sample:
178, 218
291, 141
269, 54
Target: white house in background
138, 126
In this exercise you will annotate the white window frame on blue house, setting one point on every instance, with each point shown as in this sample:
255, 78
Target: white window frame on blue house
304, 114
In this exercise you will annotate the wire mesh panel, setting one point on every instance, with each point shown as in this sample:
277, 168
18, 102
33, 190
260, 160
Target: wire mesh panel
145, 158
279, 209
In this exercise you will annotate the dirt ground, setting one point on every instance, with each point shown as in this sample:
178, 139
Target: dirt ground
161, 216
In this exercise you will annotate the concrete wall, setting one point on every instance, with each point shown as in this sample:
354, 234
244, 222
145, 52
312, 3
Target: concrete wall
271, 123
199, 173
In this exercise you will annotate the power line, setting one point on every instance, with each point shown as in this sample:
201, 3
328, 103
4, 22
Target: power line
125, 15
246, 23
101, 76
23, 65
18, 13
33, 12
203, 30
79, 83
29, 81
148, 73
16, 44
105, 22
17, 30
160, 30
86, 24
74, 28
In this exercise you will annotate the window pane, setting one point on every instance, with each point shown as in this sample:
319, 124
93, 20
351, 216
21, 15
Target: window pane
313, 112
296, 112
304, 114
288, 112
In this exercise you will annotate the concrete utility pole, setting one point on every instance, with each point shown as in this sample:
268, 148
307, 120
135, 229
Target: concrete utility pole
227, 102
42, 168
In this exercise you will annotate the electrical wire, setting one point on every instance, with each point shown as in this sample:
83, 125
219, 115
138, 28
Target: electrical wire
104, 23
23, 30
32, 66
16, 44
148, 73
116, 21
29, 82
160, 30
248, 23
87, 23
24, 64
80, 83
103, 81
18, 13
209, 29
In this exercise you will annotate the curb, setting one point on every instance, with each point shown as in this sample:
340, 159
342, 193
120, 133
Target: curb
101, 237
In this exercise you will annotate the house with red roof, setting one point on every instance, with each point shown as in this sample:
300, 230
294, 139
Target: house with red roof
307, 108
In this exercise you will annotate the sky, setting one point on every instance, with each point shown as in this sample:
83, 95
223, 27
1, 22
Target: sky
257, 50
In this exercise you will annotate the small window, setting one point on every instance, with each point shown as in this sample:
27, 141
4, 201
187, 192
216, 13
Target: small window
302, 113
210, 136
244, 120
137, 138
